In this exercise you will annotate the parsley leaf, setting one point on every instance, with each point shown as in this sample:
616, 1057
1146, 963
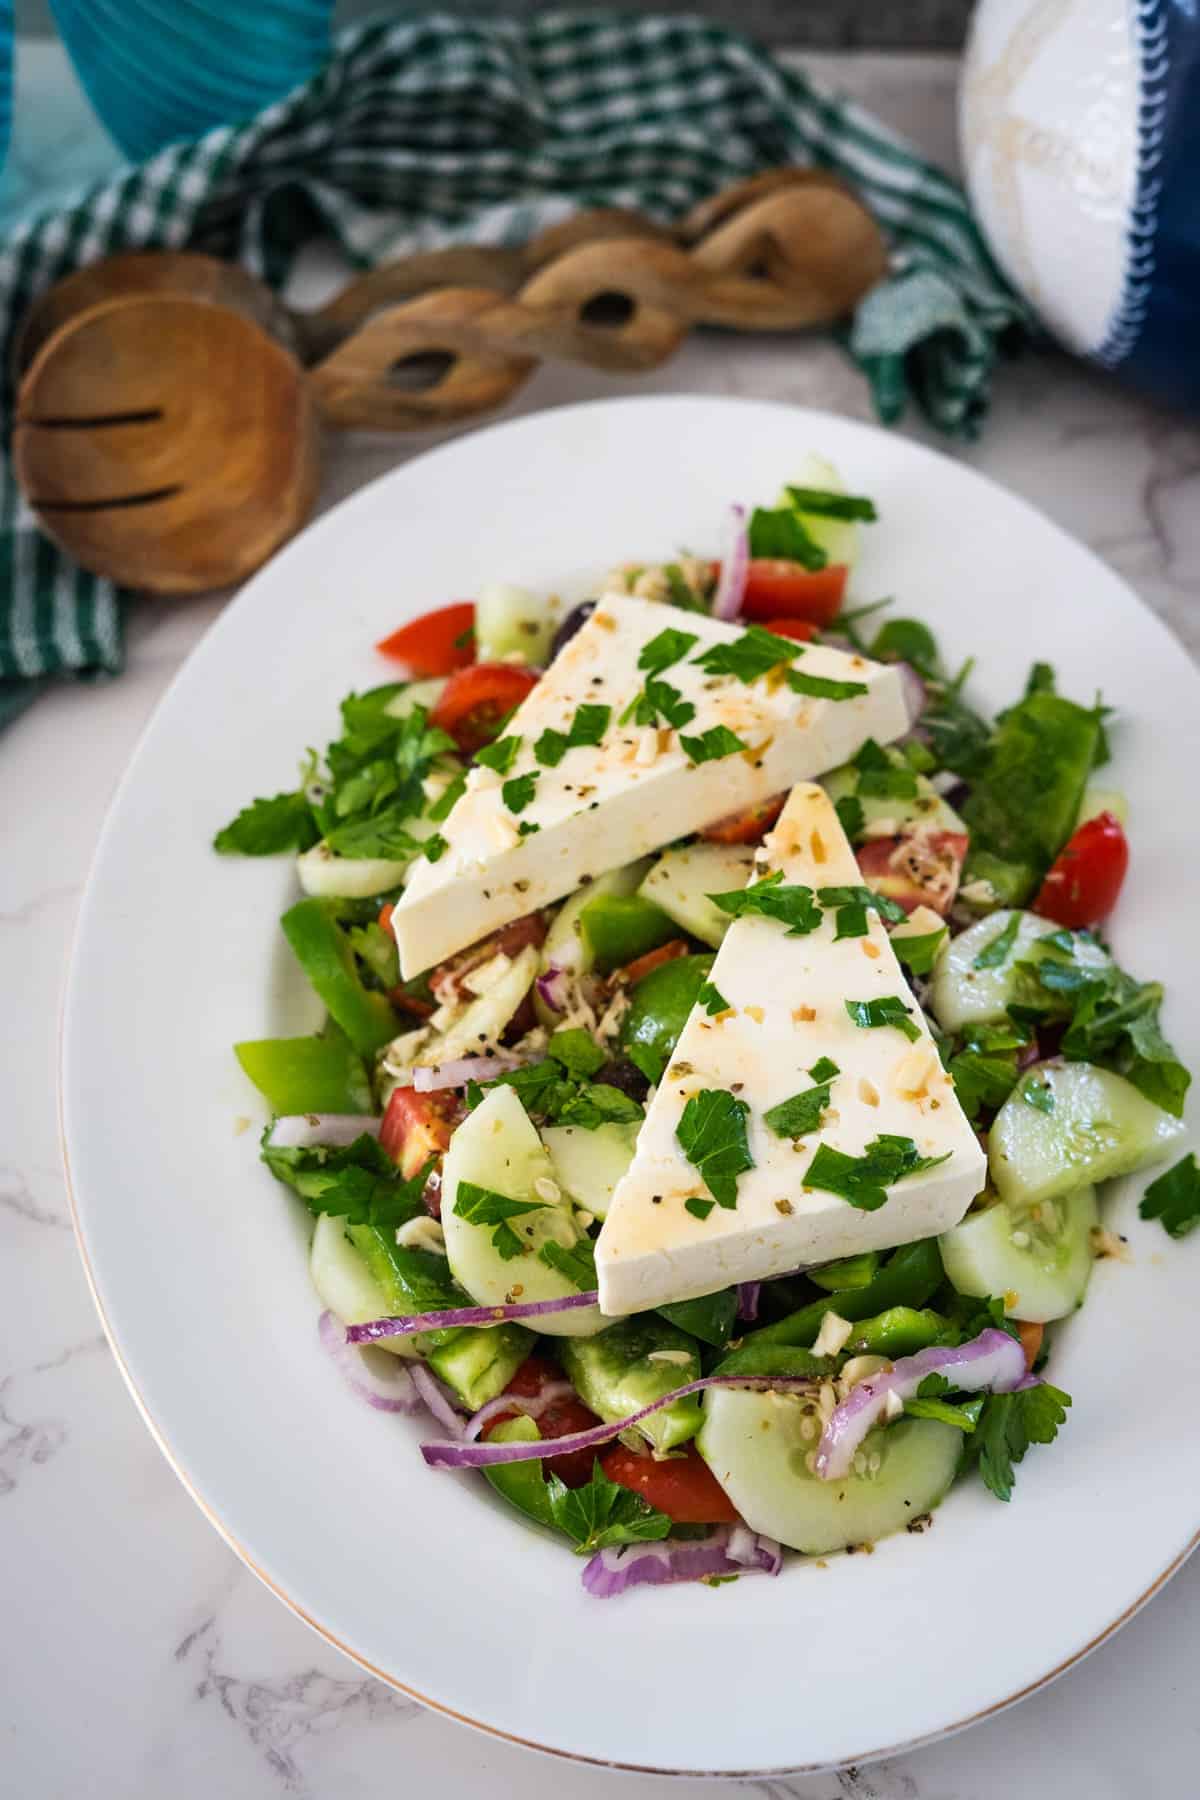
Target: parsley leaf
851, 816
602, 1513
699, 1209
889, 1009
518, 792
827, 505
919, 949
964, 1415
587, 727
383, 834
822, 688
527, 827
435, 847
824, 1069
984, 1070
440, 809
359, 1183
853, 904
577, 1051
1008, 1424
267, 827
752, 655
659, 702
863, 1180
577, 1262
546, 1090
712, 1134
781, 534
997, 953
712, 1000
792, 904
670, 646
712, 745
1175, 1198
796, 1117
483, 1206
500, 754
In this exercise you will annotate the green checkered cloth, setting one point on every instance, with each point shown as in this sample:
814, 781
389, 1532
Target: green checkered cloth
430, 130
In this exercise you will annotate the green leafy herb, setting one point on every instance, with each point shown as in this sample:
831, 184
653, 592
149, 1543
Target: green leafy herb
791, 903
712, 1135
577, 1262
997, 953
824, 1069
359, 1183
1024, 802
699, 1209
822, 688
851, 816
712, 1000
587, 727
984, 1070
527, 827
659, 703
518, 791
670, 646
919, 950
908, 640
1008, 1424
377, 949
782, 534
712, 745
465, 639
577, 1051
384, 835
602, 1513
863, 1180
1175, 1198
550, 1093
1038, 1094
500, 754
267, 827
853, 904
711, 1317
889, 1009
440, 809
964, 1415
483, 1206
826, 505
435, 847
796, 1117
754, 654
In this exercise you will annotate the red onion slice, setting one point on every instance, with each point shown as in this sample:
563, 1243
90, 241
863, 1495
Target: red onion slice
551, 985
747, 1301
532, 1406
387, 1390
735, 565
437, 1398
458, 1455
409, 1325
430, 1078
992, 1360
731, 1550
333, 1131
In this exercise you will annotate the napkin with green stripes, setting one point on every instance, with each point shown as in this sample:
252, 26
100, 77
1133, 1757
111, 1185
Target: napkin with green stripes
430, 130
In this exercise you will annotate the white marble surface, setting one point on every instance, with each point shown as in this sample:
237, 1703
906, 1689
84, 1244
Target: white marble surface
137, 1656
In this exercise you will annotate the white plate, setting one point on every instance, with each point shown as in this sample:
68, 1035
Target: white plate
198, 1259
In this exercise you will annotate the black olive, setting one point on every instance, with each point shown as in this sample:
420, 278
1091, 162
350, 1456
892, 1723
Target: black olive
622, 1074
571, 624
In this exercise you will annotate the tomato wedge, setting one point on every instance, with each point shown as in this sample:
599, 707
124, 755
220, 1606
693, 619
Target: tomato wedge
559, 1418
783, 590
748, 826
921, 868
1084, 881
1031, 1336
683, 1487
803, 631
475, 700
416, 1127
435, 644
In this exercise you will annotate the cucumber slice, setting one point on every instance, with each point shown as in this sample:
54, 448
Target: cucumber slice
631, 1365
1067, 1124
757, 1446
332, 877
1039, 1257
345, 1285
681, 881
589, 1164
926, 808
962, 994
417, 693
497, 1147
837, 537
1097, 800
511, 621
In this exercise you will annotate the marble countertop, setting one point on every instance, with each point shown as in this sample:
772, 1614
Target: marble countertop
138, 1657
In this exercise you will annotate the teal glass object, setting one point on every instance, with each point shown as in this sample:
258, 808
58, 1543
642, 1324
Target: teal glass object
6, 76
158, 71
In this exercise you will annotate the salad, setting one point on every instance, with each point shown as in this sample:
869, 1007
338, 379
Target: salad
723, 1058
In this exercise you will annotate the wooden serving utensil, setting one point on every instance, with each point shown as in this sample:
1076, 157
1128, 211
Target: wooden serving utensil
167, 432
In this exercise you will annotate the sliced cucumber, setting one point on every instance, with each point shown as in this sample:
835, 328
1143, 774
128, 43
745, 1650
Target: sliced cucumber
589, 1164
631, 1365
963, 994
332, 877
344, 1283
837, 537
497, 1147
758, 1445
511, 620
1097, 800
1067, 1124
681, 881
1038, 1257
565, 945
417, 693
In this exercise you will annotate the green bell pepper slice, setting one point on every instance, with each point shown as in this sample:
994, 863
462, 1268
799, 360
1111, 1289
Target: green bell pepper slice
909, 1278
522, 1484
321, 948
618, 928
899, 1331
307, 1074
658, 1008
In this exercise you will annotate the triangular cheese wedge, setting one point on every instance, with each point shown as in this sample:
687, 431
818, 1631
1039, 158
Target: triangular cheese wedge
786, 1010
512, 849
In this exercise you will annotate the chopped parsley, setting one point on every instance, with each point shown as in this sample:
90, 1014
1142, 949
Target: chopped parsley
359, 1182
527, 827
752, 655
919, 949
267, 827
602, 1513
1174, 1198
587, 727
699, 1209
851, 816
791, 903
824, 1069
984, 1069
889, 1009
518, 792
822, 688
659, 703
576, 1261
796, 1117
853, 904
712, 1000
500, 754
712, 1134
780, 533
995, 954
864, 1180
1008, 1424
712, 745
670, 646
823, 504
483, 1206
552, 1091
435, 847
440, 809
1038, 1094
577, 1051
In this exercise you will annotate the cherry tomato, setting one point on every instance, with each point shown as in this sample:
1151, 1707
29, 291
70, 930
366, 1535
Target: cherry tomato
748, 826
474, 700
1031, 1336
920, 869
1084, 881
783, 590
683, 1487
431, 644
803, 631
559, 1418
642, 965
415, 1127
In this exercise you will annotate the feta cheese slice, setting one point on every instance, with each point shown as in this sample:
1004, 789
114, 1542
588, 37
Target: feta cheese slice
786, 1010
609, 803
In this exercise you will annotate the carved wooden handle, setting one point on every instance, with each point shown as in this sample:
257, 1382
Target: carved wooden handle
784, 249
